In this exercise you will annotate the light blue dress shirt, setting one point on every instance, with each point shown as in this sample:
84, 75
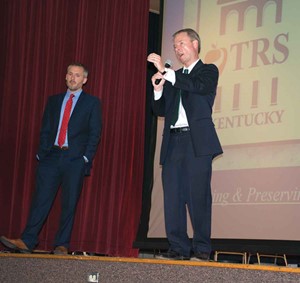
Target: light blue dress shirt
75, 99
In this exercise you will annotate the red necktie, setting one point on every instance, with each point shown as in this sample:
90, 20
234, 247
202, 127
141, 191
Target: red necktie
65, 121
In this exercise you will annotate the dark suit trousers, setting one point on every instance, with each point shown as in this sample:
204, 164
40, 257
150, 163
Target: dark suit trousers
53, 171
186, 184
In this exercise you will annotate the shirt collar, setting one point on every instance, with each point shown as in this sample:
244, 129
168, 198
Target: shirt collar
76, 93
190, 68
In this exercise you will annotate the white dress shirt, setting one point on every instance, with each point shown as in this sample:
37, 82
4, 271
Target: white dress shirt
171, 77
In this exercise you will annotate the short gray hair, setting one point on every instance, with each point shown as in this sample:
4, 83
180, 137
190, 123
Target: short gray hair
77, 64
192, 35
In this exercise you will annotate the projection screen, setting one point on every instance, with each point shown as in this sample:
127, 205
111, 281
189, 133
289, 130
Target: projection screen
255, 44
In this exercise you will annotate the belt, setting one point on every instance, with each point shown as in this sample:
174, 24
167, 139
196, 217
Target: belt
61, 148
180, 130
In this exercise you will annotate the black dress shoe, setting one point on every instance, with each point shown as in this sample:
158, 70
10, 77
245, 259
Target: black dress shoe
201, 257
172, 255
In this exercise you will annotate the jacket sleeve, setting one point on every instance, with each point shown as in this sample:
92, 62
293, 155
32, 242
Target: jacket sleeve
159, 107
203, 82
45, 132
94, 129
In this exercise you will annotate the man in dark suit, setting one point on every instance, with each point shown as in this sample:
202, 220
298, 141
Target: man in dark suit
185, 98
69, 137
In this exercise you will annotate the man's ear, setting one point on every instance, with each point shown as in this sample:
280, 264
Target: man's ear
195, 44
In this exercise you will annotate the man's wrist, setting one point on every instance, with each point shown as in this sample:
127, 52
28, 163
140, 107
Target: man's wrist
163, 72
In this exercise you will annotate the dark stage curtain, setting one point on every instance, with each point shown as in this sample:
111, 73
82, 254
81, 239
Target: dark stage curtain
38, 39
154, 45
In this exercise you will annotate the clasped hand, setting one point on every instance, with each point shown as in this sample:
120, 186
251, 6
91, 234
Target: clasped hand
158, 63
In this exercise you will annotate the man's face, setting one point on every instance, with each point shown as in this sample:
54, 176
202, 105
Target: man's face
186, 50
75, 78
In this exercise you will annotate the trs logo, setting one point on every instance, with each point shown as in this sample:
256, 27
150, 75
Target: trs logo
218, 56
242, 7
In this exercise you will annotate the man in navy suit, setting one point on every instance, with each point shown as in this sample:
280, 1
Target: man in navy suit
185, 98
66, 151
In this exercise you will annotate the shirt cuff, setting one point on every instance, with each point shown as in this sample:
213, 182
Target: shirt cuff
170, 76
85, 159
157, 94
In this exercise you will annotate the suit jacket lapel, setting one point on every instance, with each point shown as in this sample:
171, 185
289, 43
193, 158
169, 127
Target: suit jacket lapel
197, 66
78, 106
58, 109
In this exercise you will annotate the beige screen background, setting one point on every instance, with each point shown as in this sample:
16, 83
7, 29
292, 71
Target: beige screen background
256, 182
